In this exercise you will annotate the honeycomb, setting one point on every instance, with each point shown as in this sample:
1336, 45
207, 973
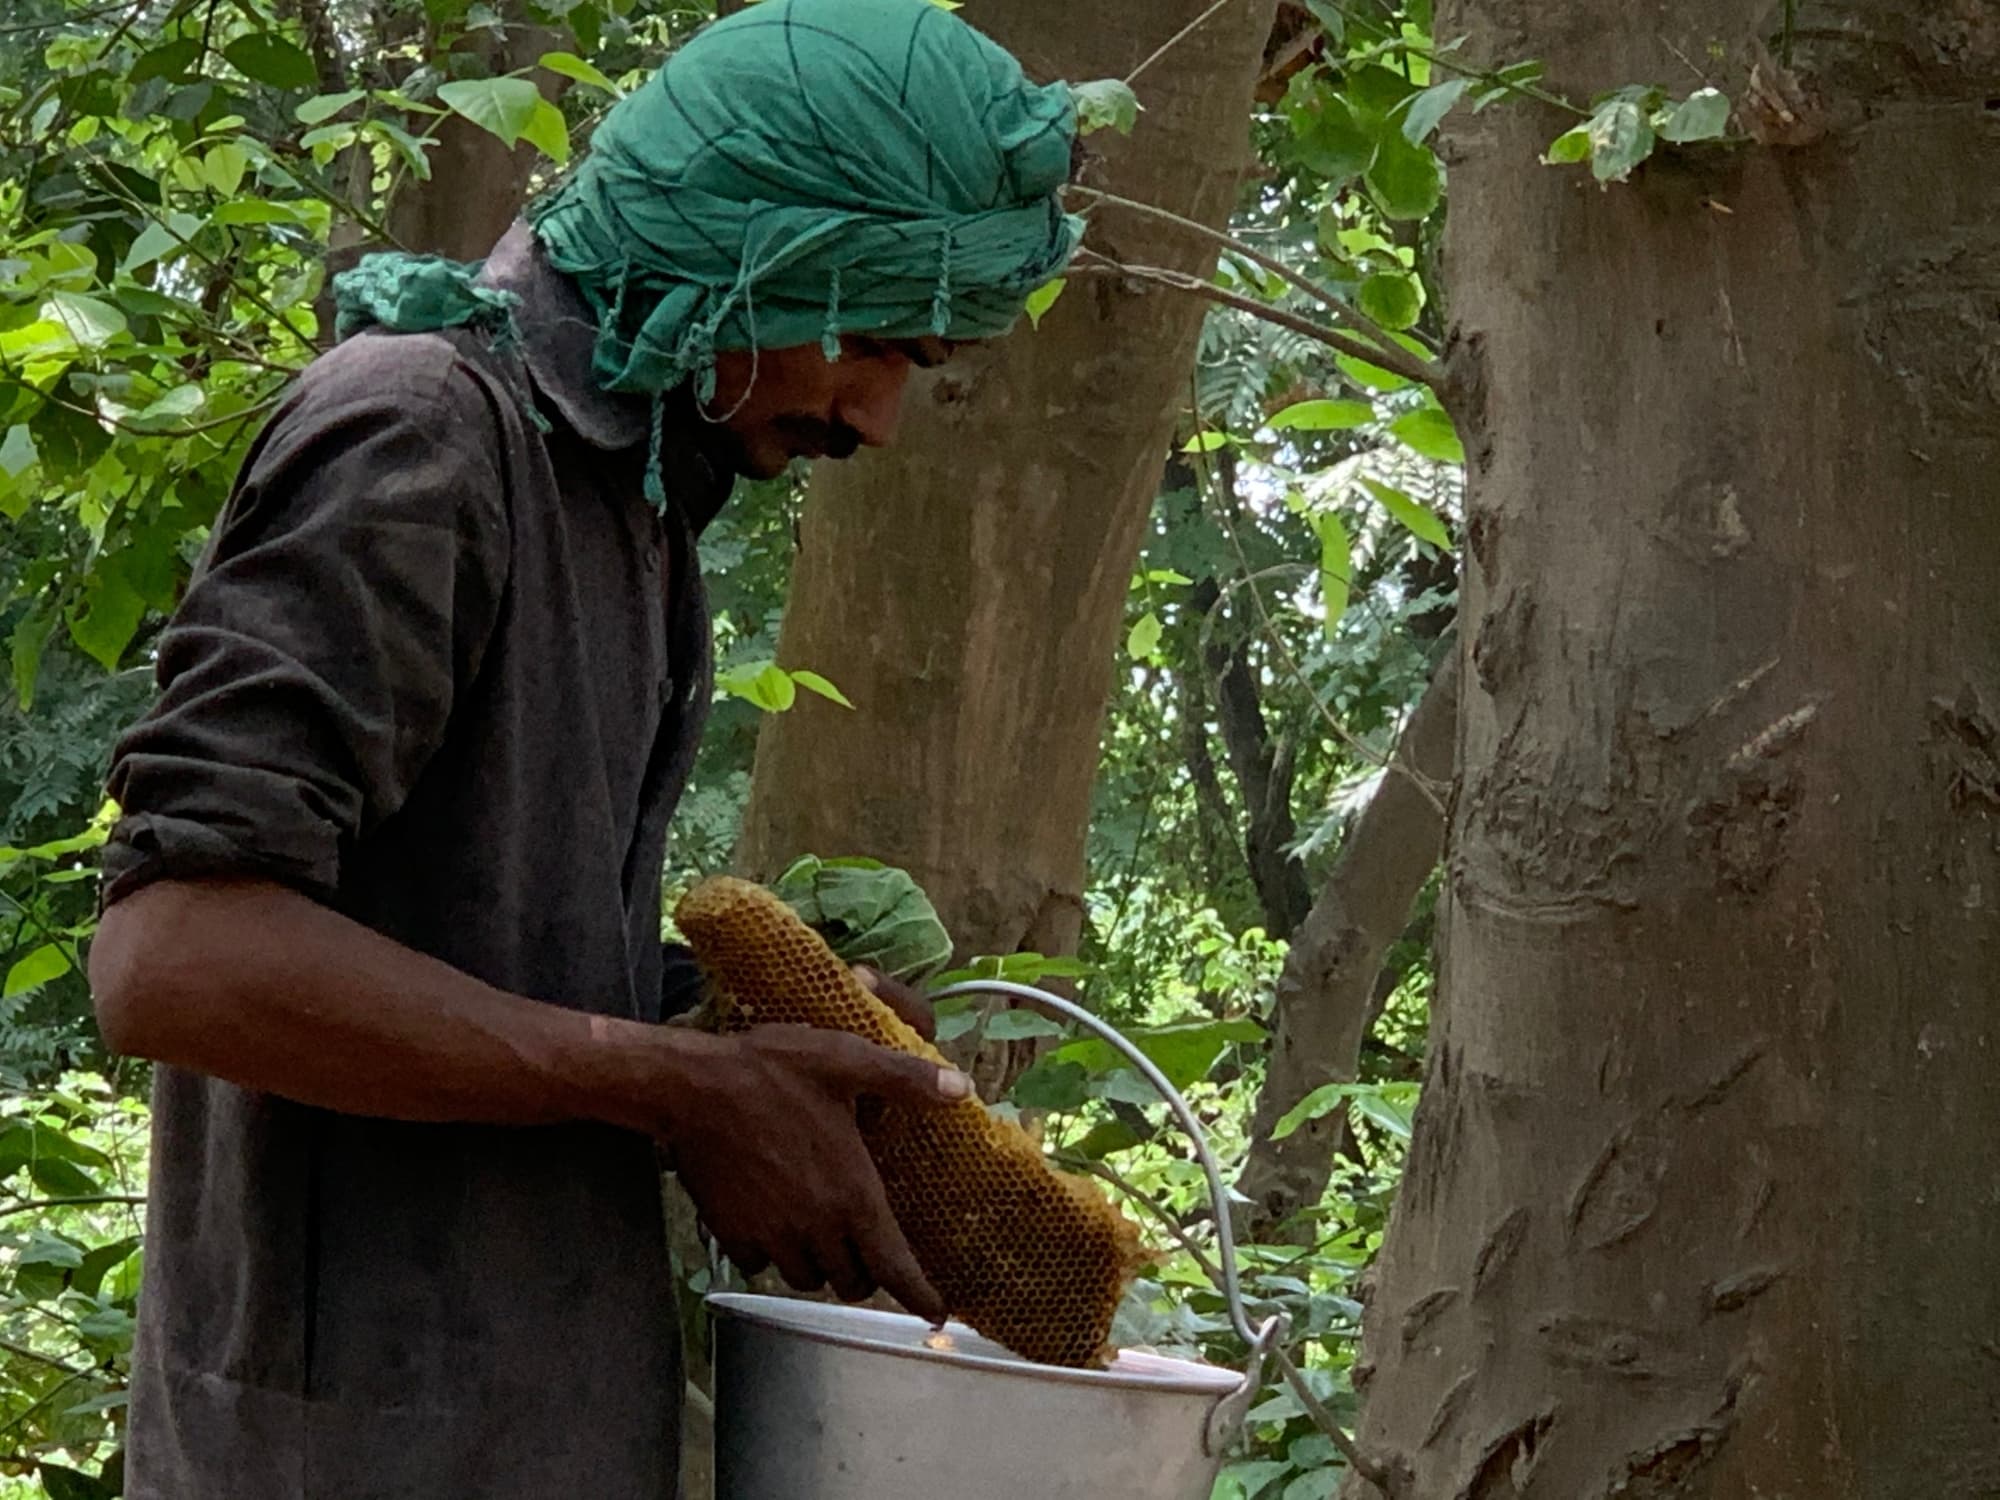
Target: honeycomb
1033, 1258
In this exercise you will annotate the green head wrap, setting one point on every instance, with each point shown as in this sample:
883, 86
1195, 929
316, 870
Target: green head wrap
798, 170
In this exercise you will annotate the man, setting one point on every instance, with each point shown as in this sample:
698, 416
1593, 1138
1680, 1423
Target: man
384, 901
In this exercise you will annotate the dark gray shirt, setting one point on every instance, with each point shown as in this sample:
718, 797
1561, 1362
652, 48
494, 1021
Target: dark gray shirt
443, 671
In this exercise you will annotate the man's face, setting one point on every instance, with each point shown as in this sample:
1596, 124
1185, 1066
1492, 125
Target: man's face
794, 403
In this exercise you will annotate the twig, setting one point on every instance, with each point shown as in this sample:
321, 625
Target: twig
82, 1200
1159, 1211
1342, 311
1397, 361
1175, 40
22, 1351
1328, 1423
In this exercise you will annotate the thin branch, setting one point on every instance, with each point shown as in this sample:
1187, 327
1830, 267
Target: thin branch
22, 1351
80, 1201
1328, 1423
1343, 312
1396, 360
1175, 40
1159, 1211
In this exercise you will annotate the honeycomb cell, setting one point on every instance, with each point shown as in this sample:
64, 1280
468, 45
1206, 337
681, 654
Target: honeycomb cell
1034, 1258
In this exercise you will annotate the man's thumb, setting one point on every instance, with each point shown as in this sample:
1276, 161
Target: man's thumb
902, 1078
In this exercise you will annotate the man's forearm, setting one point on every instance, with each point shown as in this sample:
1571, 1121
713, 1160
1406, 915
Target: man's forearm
257, 984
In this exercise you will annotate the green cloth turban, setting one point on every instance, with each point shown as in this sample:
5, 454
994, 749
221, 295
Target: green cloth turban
808, 168
795, 171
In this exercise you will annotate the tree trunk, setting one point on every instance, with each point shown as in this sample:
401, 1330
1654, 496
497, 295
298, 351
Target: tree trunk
966, 588
1326, 996
1702, 1198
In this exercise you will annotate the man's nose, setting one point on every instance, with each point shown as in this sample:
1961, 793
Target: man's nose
873, 407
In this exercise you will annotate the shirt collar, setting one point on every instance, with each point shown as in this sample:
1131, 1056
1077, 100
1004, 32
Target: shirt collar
558, 336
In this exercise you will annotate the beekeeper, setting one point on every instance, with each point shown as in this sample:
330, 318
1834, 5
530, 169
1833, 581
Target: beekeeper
384, 901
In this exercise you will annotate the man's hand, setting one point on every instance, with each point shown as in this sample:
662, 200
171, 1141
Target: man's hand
764, 1138
908, 1003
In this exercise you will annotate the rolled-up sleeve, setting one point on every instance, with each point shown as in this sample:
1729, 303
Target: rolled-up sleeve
347, 595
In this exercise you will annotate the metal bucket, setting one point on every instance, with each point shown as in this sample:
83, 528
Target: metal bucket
815, 1401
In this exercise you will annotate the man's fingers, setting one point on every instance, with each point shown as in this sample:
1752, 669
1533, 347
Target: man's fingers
899, 997
748, 1259
890, 1260
798, 1266
899, 1077
845, 1271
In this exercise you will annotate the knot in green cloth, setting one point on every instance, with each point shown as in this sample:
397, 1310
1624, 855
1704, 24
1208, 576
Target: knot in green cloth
804, 169
419, 294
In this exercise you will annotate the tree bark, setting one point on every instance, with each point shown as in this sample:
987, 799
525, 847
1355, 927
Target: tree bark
966, 588
1701, 1200
1326, 995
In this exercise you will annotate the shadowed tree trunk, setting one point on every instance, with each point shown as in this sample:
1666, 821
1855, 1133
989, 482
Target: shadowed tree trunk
966, 588
1327, 991
1702, 1197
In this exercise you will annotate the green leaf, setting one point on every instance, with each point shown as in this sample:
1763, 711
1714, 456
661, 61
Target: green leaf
1330, 139
223, 166
1105, 103
111, 618
160, 237
1621, 137
1571, 146
1020, 1026
1322, 416
1042, 298
256, 211
1252, 1477
1419, 518
501, 106
30, 636
270, 59
1336, 565
1206, 442
1144, 638
323, 107
170, 410
17, 451
1392, 300
1184, 1051
169, 60
1405, 178
569, 65
548, 132
812, 682
40, 966
1315, 1484
106, 1329
61, 1482
1509, 80
1050, 1084
89, 322
1370, 377
1431, 106
1702, 116
764, 683
99, 1262
1430, 433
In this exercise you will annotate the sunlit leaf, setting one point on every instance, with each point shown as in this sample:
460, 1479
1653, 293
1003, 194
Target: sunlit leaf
1144, 639
323, 107
1105, 103
42, 964
569, 65
1702, 116
1206, 442
547, 131
812, 682
1335, 566
1405, 178
1621, 137
1322, 416
1571, 146
502, 106
223, 166
1394, 301
1430, 433
1419, 518
1019, 1026
1042, 298
91, 322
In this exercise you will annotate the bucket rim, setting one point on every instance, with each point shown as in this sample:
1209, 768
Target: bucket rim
821, 1323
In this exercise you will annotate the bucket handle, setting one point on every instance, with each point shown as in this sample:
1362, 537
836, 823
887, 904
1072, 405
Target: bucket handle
1226, 1418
